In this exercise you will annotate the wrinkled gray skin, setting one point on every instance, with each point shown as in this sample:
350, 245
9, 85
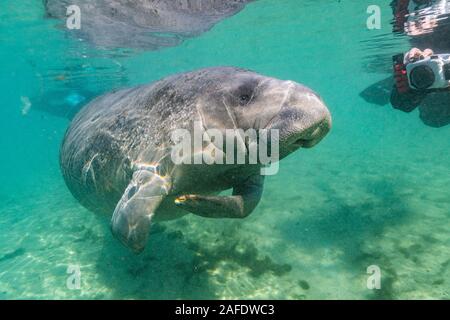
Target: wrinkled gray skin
144, 24
115, 157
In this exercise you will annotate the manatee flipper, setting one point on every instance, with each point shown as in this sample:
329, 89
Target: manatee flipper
133, 214
245, 198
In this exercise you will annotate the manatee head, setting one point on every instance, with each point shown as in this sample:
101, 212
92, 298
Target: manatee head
241, 99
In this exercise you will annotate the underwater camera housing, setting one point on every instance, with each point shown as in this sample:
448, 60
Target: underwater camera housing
430, 73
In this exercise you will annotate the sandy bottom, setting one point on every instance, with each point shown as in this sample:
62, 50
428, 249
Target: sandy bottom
314, 242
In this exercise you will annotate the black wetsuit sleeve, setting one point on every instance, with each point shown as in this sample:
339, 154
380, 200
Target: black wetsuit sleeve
407, 101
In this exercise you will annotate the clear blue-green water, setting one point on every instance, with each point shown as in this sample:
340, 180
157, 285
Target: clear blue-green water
374, 192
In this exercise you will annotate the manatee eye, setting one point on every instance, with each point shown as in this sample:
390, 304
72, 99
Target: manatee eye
244, 98
245, 93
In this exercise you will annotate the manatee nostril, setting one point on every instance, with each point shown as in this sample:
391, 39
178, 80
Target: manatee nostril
301, 142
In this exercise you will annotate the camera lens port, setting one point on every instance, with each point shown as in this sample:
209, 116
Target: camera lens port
422, 77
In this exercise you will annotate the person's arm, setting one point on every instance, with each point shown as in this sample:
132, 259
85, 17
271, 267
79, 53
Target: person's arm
400, 12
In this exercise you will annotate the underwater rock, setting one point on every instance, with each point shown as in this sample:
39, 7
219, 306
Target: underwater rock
143, 24
303, 284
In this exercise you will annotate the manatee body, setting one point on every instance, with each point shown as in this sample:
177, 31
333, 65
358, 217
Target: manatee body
116, 155
144, 24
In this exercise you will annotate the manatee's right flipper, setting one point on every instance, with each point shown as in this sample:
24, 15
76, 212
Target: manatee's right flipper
245, 198
132, 217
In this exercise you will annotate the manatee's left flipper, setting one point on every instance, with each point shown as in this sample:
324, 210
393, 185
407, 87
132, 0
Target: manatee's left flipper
245, 198
132, 217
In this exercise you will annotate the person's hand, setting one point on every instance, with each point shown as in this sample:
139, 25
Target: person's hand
415, 54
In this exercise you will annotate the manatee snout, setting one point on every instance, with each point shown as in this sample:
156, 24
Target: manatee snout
313, 135
303, 120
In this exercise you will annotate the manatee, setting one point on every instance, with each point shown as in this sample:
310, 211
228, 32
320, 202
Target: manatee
143, 24
117, 159
64, 96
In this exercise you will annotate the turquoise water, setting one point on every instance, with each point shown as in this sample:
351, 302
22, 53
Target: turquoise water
374, 192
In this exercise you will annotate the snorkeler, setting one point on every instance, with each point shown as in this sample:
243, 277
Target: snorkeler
422, 78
